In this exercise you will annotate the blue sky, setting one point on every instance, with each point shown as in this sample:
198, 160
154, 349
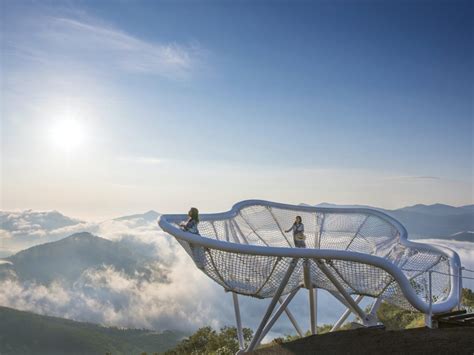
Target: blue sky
206, 103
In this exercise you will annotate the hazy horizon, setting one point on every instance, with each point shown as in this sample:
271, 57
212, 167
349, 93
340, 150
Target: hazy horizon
98, 218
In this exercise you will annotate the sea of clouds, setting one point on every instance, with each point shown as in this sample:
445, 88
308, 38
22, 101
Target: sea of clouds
187, 300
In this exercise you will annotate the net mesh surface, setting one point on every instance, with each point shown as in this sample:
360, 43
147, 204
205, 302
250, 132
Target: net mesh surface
260, 276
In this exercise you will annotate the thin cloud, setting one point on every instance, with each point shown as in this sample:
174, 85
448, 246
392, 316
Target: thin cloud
413, 178
77, 43
133, 54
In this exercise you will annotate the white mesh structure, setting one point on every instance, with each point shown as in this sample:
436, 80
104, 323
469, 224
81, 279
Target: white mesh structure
365, 251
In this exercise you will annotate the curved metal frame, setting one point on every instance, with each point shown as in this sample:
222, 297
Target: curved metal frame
166, 223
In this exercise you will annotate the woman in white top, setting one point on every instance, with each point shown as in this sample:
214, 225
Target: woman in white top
298, 232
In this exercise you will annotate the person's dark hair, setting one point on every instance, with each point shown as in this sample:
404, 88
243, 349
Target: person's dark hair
194, 214
299, 217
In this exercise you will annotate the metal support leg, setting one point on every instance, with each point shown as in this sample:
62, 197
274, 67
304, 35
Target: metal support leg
354, 306
345, 315
340, 299
313, 309
428, 317
312, 296
375, 307
460, 286
278, 313
256, 338
238, 320
292, 319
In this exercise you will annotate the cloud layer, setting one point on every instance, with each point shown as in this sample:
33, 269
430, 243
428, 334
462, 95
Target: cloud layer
466, 253
188, 299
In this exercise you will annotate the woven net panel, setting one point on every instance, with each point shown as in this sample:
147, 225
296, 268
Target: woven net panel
246, 232
266, 228
339, 230
416, 264
217, 229
311, 221
393, 294
212, 229
362, 279
260, 276
252, 275
320, 280
417, 268
274, 281
377, 234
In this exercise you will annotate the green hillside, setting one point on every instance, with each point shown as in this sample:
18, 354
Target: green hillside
29, 333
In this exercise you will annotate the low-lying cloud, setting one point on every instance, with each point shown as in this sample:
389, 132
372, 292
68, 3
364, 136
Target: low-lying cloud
110, 297
466, 253
187, 300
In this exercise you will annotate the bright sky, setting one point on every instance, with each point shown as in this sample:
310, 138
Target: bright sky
115, 107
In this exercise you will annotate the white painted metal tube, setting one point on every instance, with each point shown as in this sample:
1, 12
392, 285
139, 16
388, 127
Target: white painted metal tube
430, 296
460, 286
375, 307
279, 311
238, 320
313, 310
292, 319
166, 223
345, 315
268, 313
342, 291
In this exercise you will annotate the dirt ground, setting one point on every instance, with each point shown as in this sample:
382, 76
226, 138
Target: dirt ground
459, 340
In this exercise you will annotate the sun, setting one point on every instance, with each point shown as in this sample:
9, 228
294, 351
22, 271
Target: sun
67, 135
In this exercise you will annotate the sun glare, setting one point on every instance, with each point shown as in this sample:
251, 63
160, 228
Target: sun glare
67, 135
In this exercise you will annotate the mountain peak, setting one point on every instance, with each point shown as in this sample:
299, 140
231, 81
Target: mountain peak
66, 259
151, 213
418, 205
81, 236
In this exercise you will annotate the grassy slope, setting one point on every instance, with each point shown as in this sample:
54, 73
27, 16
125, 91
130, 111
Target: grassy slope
29, 333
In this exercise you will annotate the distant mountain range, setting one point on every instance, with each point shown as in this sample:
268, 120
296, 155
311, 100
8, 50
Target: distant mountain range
28, 333
65, 260
431, 221
21, 230
438, 209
